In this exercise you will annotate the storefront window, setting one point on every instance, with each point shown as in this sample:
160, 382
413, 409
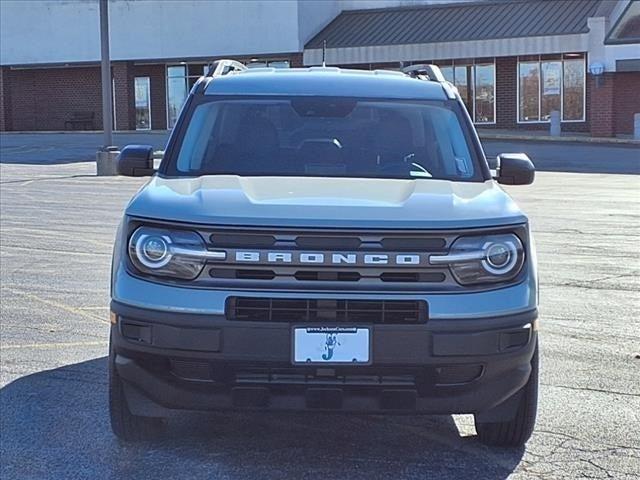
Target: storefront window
574, 82
477, 87
142, 87
181, 78
447, 71
270, 63
176, 92
529, 81
550, 88
194, 72
463, 80
484, 93
279, 64
551, 84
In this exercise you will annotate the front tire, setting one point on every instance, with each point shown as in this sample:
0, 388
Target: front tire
516, 431
125, 425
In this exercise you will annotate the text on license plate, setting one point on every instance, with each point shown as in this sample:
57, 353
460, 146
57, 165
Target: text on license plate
331, 345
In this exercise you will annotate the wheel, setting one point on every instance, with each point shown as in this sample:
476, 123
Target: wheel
125, 425
515, 432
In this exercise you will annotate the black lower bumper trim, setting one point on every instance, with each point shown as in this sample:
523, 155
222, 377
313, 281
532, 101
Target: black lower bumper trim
193, 362
162, 392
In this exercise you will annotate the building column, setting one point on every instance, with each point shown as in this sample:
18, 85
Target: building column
158, 79
601, 104
506, 96
124, 96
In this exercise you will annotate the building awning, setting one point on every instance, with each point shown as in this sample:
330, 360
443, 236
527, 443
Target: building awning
458, 30
627, 27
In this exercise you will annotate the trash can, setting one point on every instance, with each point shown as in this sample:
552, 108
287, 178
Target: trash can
106, 161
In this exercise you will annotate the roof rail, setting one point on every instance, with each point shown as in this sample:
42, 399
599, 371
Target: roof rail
223, 67
432, 73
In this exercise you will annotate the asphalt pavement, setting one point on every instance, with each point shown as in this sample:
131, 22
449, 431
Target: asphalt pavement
56, 233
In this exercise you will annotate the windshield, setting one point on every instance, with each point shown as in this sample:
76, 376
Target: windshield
329, 137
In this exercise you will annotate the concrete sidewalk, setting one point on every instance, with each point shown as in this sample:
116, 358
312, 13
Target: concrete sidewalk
544, 136
484, 133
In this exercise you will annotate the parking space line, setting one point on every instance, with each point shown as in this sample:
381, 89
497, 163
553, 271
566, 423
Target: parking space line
56, 345
68, 308
58, 252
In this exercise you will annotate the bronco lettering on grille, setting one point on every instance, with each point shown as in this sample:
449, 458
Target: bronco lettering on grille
319, 258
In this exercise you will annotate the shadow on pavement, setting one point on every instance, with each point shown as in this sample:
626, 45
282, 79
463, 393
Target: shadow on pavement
55, 424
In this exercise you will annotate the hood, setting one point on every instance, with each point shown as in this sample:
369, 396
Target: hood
325, 202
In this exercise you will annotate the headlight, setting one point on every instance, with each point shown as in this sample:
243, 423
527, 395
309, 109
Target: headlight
169, 253
483, 259
152, 250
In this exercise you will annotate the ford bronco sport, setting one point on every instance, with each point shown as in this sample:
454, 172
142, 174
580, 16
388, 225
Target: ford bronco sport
326, 240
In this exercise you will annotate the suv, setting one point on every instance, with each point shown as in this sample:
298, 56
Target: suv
327, 240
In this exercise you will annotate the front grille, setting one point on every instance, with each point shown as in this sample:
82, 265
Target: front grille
425, 379
300, 377
323, 276
327, 274
330, 260
322, 310
413, 277
364, 277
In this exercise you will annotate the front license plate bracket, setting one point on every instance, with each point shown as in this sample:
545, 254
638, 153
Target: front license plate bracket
329, 345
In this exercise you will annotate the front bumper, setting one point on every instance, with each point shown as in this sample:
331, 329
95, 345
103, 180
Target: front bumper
171, 360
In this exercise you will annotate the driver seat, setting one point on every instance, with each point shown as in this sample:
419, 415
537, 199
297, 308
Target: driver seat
392, 137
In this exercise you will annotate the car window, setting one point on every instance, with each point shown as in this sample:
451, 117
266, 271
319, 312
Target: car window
314, 136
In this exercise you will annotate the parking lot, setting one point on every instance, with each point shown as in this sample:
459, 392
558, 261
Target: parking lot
57, 226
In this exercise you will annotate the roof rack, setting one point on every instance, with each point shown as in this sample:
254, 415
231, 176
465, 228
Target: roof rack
224, 66
432, 73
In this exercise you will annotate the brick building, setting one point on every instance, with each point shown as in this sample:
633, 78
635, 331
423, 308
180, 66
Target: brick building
514, 61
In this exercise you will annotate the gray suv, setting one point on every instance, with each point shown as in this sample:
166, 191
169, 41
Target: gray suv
324, 240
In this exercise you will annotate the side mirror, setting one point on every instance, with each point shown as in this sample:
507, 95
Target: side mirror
136, 161
515, 169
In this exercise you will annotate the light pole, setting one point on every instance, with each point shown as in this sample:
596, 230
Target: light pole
106, 157
105, 70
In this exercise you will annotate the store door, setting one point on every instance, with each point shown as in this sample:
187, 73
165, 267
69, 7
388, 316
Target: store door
143, 103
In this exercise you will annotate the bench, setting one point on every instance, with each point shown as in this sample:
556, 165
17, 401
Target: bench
83, 120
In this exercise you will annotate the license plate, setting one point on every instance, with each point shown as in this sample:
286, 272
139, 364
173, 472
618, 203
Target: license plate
331, 345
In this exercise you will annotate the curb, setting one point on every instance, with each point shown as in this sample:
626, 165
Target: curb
545, 138
482, 135
87, 132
